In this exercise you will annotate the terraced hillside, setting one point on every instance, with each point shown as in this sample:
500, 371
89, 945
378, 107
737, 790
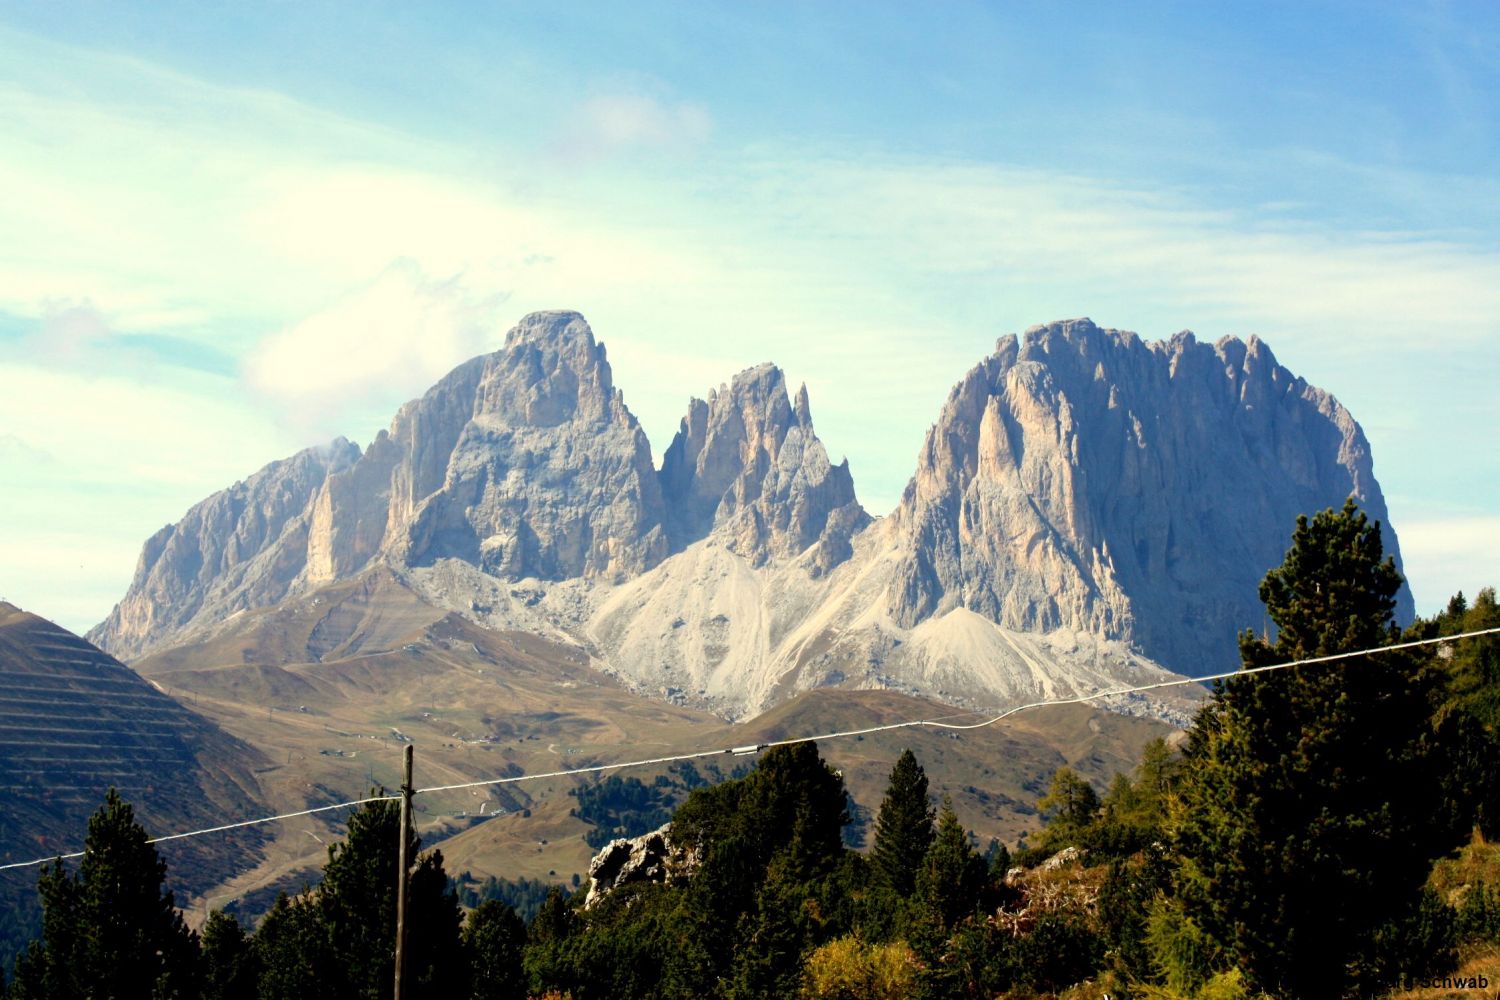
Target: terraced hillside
74, 722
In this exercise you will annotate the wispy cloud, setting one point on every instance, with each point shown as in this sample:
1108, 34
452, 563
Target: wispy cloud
610, 123
343, 266
401, 329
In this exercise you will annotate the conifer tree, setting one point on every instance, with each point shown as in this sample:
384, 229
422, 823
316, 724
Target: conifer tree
291, 952
952, 874
1310, 799
495, 936
356, 906
230, 970
111, 931
903, 829
1070, 805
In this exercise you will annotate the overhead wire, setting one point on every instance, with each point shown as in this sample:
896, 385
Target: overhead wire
214, 829
938, 722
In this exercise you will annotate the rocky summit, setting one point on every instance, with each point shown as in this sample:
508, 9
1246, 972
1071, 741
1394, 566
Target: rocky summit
1088, 509
747, 466
1082, 479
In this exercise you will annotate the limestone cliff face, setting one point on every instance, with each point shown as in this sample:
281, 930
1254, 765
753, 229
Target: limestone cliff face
545, 473
524, 463
747, 467
1080, 478
244, 547
1087, 507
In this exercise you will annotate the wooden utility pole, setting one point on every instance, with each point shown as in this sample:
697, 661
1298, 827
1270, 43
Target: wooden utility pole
401, 877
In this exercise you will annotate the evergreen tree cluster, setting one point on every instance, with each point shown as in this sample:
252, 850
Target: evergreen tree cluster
1285, 849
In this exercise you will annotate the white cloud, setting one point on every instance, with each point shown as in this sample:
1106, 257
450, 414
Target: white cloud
140, 200
614, 122
402, 329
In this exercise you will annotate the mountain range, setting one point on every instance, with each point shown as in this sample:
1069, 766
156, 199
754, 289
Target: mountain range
1089, 510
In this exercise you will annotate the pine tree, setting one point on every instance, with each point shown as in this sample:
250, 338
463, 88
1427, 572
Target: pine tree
494, 936
1310, 796
291, 952
356, 908
230, 970
952, 874
1070, 805
111, 931
903, 829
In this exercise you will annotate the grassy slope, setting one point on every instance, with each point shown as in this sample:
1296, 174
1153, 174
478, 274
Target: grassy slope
321, 684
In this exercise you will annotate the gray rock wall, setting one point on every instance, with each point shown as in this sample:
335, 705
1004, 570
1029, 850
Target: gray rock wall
1081, 478
746, 466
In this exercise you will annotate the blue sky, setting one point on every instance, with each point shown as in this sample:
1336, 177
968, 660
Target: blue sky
232, 230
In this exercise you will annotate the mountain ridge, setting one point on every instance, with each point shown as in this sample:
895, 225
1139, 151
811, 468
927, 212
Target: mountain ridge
1066, 528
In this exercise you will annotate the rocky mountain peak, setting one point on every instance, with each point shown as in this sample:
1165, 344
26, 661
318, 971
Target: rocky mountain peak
524, 462
555, 328
551, 371
1079, 478
243, 547
545, 471
746, 465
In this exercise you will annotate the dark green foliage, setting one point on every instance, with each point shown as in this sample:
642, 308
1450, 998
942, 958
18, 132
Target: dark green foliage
230, 967
768, 960
356, 909
1132, 815
1418, 942
545, 960
952, 875
338, 940
1468, 718
494, 936
524, 895
1478, 917
774, 881
1130, 889
1069, 809
624, 807
1312, 814
903, 827
1060, 950
291, 952
111, 930
1472, 665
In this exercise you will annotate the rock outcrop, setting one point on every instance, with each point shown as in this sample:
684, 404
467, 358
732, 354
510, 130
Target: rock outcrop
635, 860
746, 466
548, 473
1081, 479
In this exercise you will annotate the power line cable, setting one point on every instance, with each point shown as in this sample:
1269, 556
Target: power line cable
213, 829
940, 722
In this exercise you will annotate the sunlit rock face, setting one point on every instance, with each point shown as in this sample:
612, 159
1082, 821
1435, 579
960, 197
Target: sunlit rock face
1087, 509
746, 466
1081, 478
244, 547
528, 464
525, 463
